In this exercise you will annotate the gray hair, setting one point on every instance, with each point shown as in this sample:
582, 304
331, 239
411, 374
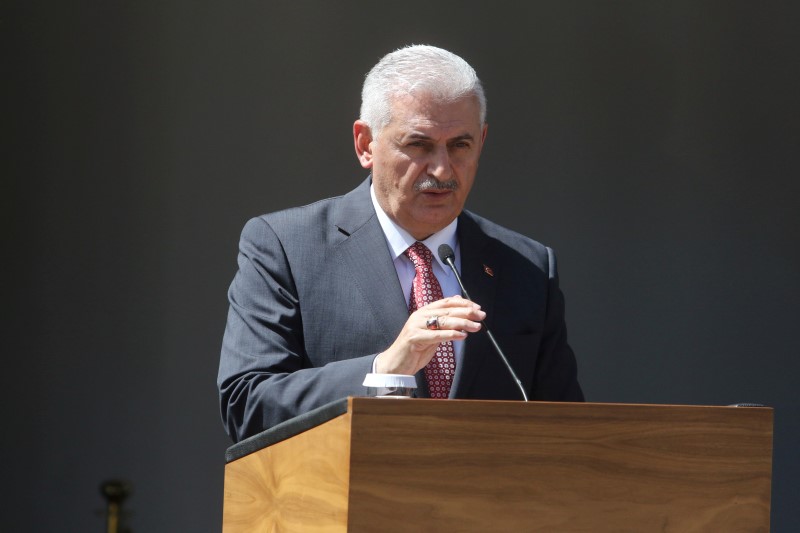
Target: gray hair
417, 69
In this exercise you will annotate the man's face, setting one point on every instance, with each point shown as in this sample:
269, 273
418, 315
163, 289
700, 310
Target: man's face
424, 161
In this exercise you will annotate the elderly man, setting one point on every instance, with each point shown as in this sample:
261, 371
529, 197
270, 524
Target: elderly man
329, 292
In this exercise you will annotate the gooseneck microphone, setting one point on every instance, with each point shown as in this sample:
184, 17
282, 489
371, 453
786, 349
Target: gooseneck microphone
447, 255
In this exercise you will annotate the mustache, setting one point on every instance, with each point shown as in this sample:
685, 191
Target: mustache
432, 184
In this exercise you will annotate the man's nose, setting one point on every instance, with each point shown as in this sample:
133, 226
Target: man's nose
439, 164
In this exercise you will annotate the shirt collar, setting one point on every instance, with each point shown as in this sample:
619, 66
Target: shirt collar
399, 239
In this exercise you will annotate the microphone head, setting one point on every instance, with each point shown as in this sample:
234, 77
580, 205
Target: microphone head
446, 253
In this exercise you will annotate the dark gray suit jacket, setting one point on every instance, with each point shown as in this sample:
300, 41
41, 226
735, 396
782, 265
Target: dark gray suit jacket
316, 297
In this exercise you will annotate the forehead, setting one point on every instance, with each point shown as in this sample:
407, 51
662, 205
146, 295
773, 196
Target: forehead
414, 111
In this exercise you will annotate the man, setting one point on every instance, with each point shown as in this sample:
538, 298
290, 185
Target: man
329, 292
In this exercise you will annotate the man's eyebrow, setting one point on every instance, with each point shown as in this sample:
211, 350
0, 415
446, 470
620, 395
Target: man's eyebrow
421, 136
462, 137
418, 136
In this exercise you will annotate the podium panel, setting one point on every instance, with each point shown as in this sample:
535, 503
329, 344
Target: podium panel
458, 465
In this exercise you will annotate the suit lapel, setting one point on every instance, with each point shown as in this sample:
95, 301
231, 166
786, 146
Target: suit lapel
366, 256
479, 275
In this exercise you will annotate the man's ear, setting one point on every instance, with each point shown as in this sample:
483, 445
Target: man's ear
362, 139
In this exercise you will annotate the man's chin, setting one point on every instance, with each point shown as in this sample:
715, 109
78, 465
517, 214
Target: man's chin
427, 226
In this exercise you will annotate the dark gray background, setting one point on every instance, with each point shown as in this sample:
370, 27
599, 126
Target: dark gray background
654, 145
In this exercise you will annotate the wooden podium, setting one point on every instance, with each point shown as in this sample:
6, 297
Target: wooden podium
384, 465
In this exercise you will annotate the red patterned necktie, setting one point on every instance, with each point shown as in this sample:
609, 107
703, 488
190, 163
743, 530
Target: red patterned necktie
426, 289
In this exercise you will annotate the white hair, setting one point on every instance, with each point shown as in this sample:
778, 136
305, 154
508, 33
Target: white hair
417, 69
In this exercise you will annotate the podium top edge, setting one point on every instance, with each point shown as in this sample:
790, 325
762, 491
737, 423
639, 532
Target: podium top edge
360, 404
363, 400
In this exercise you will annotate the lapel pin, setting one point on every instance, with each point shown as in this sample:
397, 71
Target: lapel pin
488, 270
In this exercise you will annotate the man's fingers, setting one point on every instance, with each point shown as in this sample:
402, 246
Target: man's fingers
450, 323
470, 312
453, 301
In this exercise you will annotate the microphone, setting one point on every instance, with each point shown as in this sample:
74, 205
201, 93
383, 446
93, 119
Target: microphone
447, 255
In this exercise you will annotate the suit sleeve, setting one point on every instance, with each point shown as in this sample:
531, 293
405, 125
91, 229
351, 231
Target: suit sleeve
264, 375
556, 375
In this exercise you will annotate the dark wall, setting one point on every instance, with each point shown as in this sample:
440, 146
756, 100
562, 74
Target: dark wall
653, 145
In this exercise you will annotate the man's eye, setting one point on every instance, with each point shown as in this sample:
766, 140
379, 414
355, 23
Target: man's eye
419, 145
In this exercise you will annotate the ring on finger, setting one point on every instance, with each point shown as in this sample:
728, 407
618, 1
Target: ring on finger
432, 323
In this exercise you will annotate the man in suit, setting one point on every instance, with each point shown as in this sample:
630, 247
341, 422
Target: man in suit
329, 292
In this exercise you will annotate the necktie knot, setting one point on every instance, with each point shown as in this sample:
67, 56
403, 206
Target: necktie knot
421, 256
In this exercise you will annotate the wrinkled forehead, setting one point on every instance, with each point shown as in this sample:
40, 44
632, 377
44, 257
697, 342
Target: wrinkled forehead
425, 106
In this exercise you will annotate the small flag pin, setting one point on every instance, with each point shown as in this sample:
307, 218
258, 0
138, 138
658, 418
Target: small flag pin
488, 271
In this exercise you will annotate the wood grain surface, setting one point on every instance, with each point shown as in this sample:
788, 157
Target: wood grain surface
300, 484
510, 466
464, 466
